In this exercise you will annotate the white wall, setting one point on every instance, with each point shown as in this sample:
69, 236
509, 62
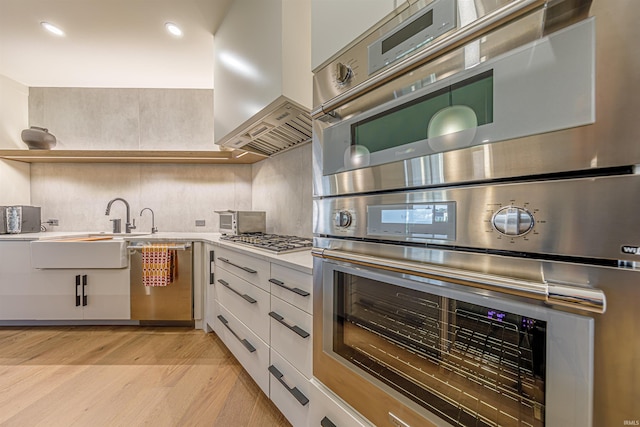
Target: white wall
14, 176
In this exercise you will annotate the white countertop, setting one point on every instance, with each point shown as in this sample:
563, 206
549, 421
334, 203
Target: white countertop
301, 260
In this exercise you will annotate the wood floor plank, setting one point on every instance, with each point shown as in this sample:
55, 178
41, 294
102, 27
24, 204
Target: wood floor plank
125, 376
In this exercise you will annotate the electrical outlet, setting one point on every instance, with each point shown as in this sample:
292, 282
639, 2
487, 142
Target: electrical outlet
200, 222
52, 222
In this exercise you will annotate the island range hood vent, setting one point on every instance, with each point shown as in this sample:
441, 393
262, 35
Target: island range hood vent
279, 126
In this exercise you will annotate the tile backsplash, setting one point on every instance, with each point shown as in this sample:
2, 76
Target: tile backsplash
77, 194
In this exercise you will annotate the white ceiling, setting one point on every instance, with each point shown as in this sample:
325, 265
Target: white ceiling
109, 43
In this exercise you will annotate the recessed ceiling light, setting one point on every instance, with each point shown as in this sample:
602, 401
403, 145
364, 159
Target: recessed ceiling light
52, 28
173, 29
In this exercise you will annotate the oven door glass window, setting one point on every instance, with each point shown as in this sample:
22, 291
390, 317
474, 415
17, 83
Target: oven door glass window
469, 364
226, 222
413, 121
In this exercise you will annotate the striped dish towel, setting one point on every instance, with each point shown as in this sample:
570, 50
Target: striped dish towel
158, 267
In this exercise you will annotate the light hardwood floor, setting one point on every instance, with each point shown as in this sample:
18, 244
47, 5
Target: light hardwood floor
125, 376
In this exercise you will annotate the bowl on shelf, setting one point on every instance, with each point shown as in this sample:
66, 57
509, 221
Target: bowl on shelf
38, 138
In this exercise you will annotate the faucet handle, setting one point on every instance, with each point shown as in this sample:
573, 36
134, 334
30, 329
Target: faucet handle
133, 226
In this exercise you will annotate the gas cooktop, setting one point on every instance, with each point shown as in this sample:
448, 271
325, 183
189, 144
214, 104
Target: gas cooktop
273, 243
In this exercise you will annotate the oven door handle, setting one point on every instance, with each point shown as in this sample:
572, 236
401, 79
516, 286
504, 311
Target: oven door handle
580, 298
473, 31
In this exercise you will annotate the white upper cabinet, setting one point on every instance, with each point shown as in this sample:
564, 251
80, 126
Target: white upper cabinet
336, 23
262, 53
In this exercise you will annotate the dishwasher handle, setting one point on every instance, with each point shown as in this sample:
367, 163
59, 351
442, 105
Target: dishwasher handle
178, 247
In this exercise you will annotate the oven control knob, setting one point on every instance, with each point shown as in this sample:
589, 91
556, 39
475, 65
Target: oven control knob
343, 219
343, 73
513, 221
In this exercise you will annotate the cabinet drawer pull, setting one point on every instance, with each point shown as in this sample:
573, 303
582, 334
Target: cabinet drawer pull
244, 296
294, 290
295, 328
326, 422
84, 290
247, 269
78, 290
244, 342
294, 391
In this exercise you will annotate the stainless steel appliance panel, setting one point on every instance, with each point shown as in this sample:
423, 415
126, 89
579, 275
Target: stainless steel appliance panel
408, 126
562, 220
173, 302
606, 143
568, 368
544, 218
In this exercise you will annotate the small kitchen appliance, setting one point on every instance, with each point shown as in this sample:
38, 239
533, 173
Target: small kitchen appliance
19, 219
240, 222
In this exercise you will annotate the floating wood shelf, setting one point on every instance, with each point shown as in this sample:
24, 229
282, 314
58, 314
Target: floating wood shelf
130, 156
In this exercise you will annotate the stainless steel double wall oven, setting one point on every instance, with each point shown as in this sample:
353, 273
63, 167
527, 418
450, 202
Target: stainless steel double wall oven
476, 236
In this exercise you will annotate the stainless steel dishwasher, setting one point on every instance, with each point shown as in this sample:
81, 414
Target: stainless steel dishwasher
173, 302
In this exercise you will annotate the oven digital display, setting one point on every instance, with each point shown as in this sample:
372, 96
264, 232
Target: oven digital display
420, 24
413, 221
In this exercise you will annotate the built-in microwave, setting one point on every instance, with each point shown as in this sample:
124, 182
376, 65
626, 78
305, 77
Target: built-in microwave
503, 98
241, 222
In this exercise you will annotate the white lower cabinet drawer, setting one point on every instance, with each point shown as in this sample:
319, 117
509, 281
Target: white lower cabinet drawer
327, 410
247, 347
292, 286
289, 390
249, 303
250, 268
291, 335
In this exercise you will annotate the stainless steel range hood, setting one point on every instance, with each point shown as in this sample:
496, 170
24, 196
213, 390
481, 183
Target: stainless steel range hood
263, 80
281, 125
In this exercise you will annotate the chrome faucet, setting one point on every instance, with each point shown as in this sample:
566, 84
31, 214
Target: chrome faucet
128, 226
154, 229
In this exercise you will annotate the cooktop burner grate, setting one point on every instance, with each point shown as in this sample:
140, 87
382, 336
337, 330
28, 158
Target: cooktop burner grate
273, 243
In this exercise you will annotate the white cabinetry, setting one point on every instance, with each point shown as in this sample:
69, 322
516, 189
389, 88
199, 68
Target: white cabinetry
242, 307
336, 23
329, 411
264, 315
291, 342
69, 294
291, 335
79, 295
15, 280
246, 346
210, 313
